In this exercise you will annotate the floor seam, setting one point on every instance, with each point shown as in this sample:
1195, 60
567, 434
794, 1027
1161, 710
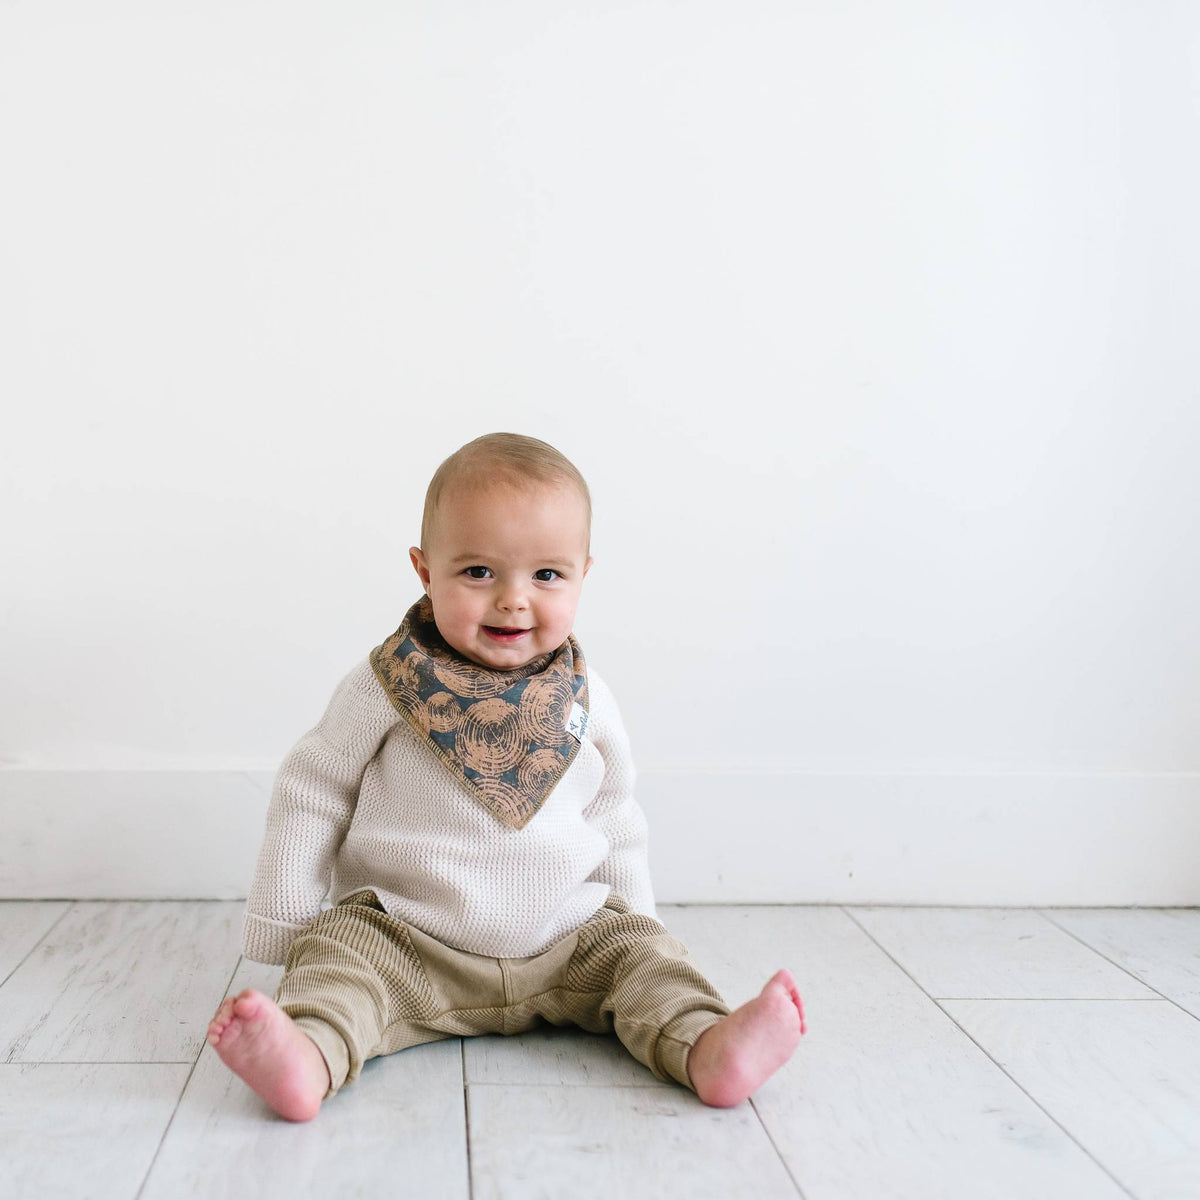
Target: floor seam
1119, 966
101, 1062
462, 1046
778, 1153
71, 904
182, 1092
1072, 999
847, 910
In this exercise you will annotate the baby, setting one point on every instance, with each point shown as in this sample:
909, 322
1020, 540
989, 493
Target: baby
466, 802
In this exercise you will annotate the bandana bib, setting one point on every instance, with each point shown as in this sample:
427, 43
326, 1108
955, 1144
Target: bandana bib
509, 735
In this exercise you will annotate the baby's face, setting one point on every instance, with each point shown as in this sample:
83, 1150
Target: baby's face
504, 570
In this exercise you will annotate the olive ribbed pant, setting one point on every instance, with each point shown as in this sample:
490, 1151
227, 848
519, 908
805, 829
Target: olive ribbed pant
361, 983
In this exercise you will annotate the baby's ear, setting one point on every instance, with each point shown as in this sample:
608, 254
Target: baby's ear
587, 566
419, 565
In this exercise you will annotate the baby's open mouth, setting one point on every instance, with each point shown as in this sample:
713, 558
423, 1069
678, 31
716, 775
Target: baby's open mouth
497, 631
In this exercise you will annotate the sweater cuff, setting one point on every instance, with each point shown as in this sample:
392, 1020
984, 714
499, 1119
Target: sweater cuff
267, 941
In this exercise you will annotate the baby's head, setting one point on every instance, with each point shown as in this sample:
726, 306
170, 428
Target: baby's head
505, 543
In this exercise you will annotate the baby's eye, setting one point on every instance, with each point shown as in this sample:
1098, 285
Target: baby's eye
477, 572
545, 571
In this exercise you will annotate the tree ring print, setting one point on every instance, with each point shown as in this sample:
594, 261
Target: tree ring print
414, 706
393, 668
473, 684
544, 707
489, 738
505, 800
539, 770
503, 733
444, 712
410, 671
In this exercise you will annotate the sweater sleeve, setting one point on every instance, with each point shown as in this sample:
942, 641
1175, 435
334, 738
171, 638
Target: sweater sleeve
312, 803
614, 811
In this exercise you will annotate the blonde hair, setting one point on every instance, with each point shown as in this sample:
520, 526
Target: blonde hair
502, 458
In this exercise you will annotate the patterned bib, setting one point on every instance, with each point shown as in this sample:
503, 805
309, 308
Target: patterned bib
509, 735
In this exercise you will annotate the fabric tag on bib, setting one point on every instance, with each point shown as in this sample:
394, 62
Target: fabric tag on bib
577, 722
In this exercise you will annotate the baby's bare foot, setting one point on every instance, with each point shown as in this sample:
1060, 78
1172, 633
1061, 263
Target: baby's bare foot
734, 1057
259, 1042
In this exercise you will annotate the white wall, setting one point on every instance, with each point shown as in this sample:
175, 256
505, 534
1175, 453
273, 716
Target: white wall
873, 328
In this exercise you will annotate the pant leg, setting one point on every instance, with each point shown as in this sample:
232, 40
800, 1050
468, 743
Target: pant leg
361, 983
627, 974
354, 983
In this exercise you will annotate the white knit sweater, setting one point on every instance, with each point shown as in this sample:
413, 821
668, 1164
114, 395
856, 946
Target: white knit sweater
361, 801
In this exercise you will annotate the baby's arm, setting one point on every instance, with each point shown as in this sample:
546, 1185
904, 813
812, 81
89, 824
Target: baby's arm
311, 806
614, 811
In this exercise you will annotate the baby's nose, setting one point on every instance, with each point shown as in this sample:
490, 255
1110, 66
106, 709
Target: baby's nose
513, 598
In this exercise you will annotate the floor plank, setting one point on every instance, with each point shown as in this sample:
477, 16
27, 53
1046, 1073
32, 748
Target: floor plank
1123, 1077
995, 953
1161, 946
556, 1055
82, 1129
885, 1096
23, 923
399, 1129
121, 981
593, 1143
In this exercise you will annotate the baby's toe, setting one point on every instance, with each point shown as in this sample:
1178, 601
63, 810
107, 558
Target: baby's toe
248, 1004
784, 978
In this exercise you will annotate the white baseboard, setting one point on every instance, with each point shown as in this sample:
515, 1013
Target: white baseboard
103, 835
777, 838
1011, 840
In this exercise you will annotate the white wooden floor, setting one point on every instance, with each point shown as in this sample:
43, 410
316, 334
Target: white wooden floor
951, 1052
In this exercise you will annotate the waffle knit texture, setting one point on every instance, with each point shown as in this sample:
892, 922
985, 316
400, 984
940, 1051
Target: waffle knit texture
361, 984
362, 802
